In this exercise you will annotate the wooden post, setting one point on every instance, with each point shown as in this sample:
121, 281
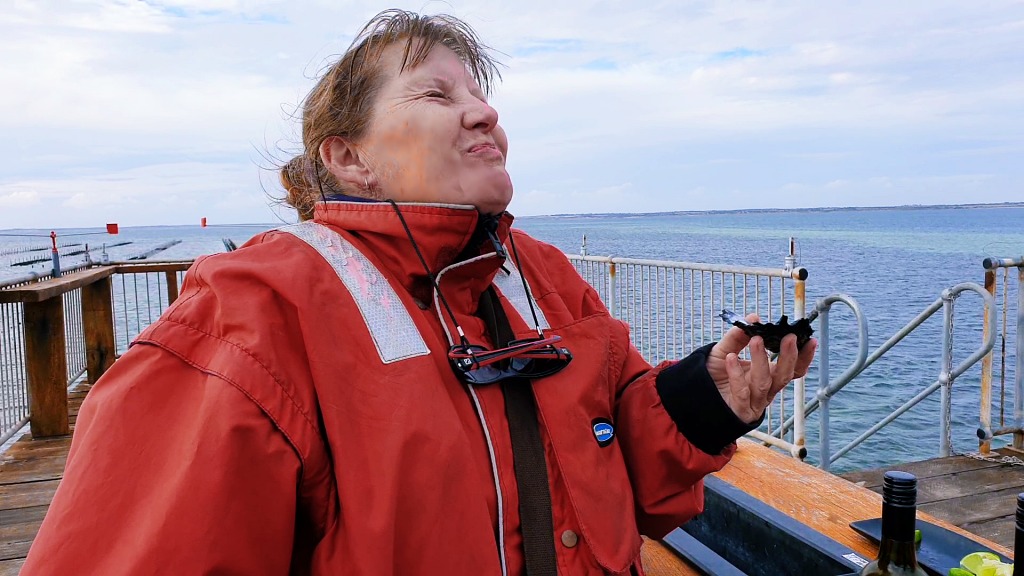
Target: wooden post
98, 322
172, 286
47, 366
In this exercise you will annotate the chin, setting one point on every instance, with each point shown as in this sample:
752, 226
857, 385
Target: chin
493, 194
495, 204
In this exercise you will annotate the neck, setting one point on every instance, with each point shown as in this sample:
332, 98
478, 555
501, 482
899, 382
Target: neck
349, 198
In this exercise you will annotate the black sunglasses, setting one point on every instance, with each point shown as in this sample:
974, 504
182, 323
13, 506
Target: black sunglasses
528, 358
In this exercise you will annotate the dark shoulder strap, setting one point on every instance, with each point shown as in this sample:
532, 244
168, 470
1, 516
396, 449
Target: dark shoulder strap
527, 452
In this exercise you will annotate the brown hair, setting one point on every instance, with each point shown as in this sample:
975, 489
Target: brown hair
295, 177
341, 102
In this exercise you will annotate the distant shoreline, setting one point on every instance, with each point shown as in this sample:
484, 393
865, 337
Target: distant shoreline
778, 210
604, 215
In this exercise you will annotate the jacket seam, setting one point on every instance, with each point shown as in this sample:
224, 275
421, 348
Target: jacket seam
280, 384
615, 369
225, 378
263, 408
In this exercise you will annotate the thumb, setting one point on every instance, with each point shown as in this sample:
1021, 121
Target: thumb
735, 339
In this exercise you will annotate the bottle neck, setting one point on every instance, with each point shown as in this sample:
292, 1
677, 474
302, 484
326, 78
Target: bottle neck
897, 546
898, 522
897, 554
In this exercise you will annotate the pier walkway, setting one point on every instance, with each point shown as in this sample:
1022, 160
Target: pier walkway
977, 495
30, 471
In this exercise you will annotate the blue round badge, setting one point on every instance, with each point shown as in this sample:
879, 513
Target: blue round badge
604, 432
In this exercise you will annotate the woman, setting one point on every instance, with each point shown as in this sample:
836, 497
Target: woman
327, 399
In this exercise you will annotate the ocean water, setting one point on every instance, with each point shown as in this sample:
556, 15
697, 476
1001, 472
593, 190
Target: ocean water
893, 262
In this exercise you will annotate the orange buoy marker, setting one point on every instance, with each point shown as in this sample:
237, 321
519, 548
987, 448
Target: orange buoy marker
112, 228
202, 222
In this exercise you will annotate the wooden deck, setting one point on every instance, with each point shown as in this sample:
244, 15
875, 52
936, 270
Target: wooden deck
31, 470
29, 474
977, 495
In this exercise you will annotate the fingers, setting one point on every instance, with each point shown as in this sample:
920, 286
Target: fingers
760, 375
791, 363
785, 366
735, 339
803, 361
755, 382
735, 370
739, 397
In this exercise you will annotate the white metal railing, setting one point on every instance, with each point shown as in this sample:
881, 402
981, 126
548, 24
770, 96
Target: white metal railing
74, 334
673, 307
139, 298
13, 376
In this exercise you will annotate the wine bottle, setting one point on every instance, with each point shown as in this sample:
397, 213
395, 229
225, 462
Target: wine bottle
1018, 538
897, 555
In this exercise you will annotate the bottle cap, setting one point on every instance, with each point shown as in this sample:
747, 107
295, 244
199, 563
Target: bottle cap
899, 489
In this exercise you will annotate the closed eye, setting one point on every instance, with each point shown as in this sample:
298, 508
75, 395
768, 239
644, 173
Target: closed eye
436, 94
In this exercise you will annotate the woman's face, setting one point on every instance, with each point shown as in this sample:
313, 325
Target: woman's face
432, 137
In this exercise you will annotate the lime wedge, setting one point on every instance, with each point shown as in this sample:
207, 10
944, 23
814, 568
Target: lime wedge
959, 572
996, 568
974, 561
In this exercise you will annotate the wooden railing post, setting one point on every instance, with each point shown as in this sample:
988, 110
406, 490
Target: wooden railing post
98, 323
172, 286
47, 367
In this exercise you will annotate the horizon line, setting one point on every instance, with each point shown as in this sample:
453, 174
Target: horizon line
605, 214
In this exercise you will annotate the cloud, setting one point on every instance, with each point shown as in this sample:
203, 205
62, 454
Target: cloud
118, 106
19, 199
173, 193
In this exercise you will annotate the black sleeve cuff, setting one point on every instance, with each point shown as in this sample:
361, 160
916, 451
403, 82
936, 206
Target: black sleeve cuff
696, 406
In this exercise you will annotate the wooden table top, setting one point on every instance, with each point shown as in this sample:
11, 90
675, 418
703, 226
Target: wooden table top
823, 501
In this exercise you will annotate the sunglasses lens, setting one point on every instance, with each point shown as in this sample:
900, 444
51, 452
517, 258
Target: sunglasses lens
522, 359
485, 375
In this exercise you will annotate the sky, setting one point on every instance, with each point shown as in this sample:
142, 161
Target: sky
161, 112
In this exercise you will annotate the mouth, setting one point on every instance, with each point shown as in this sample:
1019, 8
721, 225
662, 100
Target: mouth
486, 150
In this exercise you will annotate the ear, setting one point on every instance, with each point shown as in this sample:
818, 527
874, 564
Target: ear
344, 161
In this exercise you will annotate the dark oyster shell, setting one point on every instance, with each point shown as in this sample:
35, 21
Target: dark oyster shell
772, 334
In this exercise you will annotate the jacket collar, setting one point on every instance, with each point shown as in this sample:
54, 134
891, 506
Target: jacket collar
444, 233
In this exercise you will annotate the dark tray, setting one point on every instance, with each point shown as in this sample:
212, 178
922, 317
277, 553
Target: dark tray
738, 535
940, 549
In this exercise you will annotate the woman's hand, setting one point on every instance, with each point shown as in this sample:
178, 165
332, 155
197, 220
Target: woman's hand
749, 386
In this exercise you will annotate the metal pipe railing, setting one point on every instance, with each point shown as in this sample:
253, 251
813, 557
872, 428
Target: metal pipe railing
1018, 391
827, 389
800, 384
893, 340
986, 432
947, 374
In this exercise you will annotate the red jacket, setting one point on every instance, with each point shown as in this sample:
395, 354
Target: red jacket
268, 424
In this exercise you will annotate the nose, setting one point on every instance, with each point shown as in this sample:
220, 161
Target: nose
480, 116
